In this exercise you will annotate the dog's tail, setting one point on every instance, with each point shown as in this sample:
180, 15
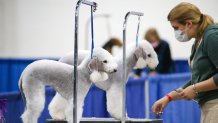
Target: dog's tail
21, 90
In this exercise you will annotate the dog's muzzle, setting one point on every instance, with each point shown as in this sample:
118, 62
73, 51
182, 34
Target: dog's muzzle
111, 68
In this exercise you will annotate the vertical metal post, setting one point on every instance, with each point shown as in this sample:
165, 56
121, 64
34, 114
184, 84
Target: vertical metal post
75, 75
124, 63
147, 100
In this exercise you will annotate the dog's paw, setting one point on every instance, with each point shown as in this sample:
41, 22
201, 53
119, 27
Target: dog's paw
116, 113
117, 116
59, 116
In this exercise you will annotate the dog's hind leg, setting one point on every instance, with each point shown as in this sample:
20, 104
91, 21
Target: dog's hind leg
35, 99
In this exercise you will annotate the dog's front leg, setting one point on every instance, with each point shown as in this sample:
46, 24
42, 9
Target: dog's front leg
80, 103
69, 111
114, 100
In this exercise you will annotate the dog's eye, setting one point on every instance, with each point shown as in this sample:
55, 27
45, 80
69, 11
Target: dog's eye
149, 55
105, 61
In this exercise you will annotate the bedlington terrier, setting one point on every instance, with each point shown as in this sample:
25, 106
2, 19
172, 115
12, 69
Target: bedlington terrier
138, 57
60, 76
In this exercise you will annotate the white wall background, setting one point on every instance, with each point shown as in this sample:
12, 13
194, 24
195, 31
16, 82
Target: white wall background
45, 28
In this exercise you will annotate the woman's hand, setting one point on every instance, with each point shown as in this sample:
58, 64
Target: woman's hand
159, 105
177, 95
188, 93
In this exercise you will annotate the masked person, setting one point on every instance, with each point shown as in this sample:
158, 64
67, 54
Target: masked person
188, 22
162, 49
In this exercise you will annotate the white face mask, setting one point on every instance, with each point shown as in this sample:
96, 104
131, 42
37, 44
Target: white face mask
181, 36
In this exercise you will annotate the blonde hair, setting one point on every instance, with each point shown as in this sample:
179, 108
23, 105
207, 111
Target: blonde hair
187, 11
151, 32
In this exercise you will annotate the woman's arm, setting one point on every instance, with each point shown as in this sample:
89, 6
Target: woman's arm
206, 85
175, 94
159, 105
191, 91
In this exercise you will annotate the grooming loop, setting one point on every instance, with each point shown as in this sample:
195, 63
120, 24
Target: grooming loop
97, 16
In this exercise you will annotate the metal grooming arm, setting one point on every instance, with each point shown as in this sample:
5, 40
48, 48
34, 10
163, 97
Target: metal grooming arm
124, 62
75, 76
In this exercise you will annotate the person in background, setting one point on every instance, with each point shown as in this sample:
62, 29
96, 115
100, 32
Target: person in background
189, 22
111, 43
162, 49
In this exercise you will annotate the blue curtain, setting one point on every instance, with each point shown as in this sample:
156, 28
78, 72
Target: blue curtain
15, 106
95, 102
10, 71
135, 97
181, 66
95, 105
178, 111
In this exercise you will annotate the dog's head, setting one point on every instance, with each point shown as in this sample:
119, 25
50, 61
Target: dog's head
101, 64
145, 55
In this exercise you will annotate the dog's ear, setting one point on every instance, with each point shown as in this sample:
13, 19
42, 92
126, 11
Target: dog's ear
93, 64
139, 52
144, 54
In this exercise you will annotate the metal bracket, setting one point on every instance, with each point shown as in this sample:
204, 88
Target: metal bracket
75, 75
124, 61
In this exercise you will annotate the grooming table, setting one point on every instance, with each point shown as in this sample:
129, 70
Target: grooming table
109, 120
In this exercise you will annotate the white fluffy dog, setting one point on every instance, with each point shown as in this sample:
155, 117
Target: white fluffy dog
60, 76
138, 57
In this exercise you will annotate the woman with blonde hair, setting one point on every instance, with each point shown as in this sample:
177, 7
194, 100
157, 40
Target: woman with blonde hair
188, 22
162, 49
